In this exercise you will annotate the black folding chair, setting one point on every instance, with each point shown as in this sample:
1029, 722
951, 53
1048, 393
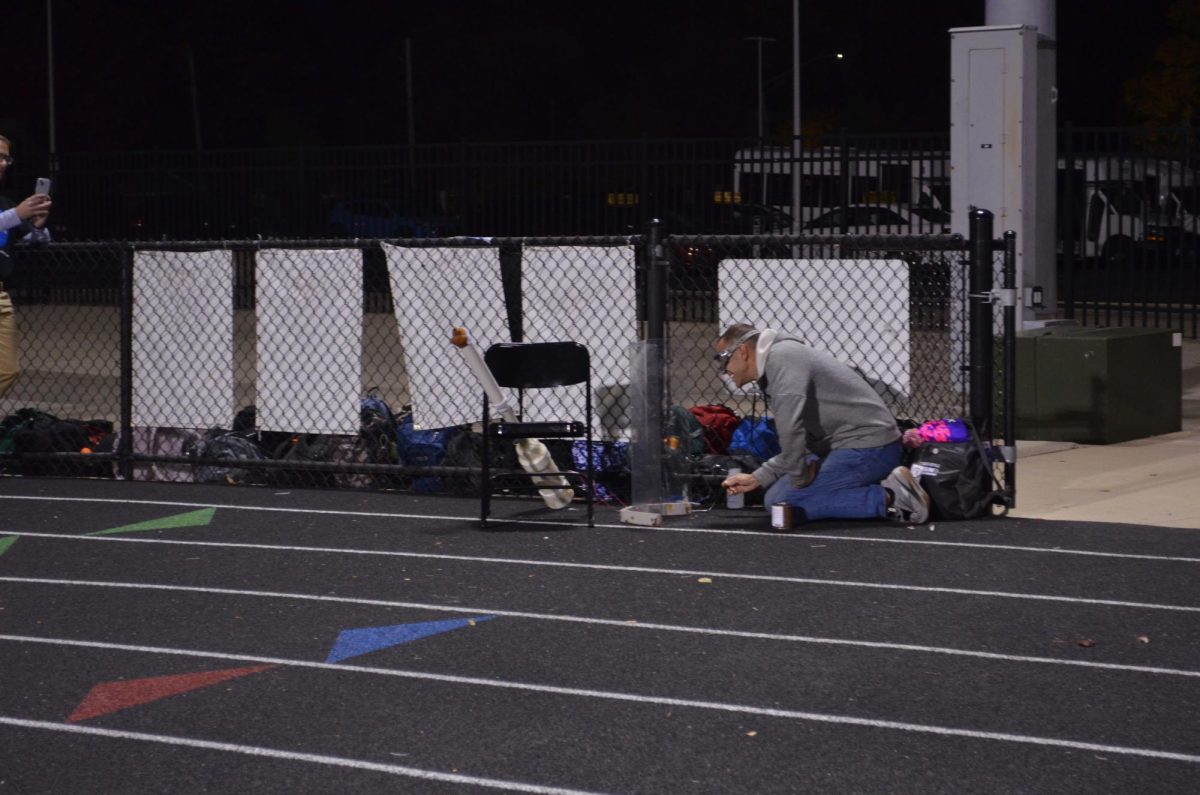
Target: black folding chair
525, 366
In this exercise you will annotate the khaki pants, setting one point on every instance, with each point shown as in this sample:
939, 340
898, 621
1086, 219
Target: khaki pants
10, 359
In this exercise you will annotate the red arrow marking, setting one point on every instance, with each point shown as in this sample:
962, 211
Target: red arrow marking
112, 696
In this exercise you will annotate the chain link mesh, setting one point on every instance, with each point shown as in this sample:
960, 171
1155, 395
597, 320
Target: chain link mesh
260, 362
881, 304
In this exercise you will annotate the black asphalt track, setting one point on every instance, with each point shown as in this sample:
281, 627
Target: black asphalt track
182, 638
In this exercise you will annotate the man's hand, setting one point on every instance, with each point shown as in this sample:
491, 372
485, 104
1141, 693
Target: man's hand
740, 483
36, 207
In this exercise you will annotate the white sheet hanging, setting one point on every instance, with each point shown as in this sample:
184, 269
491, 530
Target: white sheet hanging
434, 290
183, 339
310, 317
585, 293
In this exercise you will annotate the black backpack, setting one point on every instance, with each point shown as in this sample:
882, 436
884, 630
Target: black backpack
31, 431
958, 478
305, 448
229, 446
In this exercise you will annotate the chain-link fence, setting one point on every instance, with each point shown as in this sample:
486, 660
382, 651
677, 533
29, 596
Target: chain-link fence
317, 363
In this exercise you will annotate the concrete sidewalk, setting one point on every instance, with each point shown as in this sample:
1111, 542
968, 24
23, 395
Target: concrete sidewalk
1153, 481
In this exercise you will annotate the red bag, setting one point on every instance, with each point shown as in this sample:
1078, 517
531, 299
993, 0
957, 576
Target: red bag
718, 423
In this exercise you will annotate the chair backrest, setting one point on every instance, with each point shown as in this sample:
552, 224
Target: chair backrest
538, 365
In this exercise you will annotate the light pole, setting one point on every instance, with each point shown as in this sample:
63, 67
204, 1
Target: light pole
759, 41
796, 128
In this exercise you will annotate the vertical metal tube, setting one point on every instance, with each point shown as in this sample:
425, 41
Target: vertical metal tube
797, 141
979, 319
649, 458
656, 283
1010, 371
1070, 229
50, 83
125, 448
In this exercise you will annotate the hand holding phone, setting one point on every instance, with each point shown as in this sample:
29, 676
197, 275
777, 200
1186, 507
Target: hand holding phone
43, 186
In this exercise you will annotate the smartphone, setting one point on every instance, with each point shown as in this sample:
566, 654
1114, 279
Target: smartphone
43, 186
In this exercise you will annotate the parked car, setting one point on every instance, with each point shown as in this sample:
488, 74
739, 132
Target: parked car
371, 218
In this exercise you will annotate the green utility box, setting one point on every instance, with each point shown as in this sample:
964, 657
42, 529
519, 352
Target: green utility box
1097, 385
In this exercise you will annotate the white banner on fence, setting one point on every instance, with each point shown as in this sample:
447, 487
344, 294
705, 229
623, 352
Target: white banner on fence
434, 290
183, 339
310, 319
856, 310
582, 294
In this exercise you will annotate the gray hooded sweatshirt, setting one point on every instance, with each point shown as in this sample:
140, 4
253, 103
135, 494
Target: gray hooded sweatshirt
820, 404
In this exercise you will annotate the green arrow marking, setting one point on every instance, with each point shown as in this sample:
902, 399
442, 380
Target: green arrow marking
190, 519
5, 543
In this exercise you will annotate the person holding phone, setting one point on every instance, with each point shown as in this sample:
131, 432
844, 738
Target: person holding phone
19, 224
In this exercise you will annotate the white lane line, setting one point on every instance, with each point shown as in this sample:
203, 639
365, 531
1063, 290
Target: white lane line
624, 624
665, 529
292, 756
717, 706
624, 569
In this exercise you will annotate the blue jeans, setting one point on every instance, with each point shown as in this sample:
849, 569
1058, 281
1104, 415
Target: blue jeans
846, 486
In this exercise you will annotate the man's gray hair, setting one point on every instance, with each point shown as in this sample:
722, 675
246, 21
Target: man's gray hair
742, 332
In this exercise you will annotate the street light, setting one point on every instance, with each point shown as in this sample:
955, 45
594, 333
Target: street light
759, 41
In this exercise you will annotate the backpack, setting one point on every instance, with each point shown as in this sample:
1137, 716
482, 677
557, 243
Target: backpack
610, 467
376, 431
715, 466
718, 423
957, 476
228, 445
422, 448
757, 436
465, 449
305, 448
30, 431
166, 442
685, 433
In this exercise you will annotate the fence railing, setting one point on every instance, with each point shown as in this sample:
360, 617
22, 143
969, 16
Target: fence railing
1127, 198
263, 361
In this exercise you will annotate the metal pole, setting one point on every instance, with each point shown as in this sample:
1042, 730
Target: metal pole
1072, 230
412, 124
191, 56
1010, 372
759, 41
124, 449
979, 320
655, 423
796, 143
50, 80
656, 283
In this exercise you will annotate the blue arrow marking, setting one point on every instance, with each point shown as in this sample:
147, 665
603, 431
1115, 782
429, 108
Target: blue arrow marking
353, 642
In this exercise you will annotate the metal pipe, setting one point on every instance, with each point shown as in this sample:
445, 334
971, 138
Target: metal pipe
979, 319
1010, 372
125, 447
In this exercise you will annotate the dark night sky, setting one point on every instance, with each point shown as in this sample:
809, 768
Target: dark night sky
324, 72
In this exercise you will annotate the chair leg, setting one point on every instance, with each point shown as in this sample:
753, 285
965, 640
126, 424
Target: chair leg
485, 478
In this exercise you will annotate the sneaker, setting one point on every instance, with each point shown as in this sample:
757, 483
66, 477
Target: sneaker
910, 503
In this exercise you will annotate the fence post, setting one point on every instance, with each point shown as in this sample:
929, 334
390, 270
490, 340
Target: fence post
979, 322
1071, 233
656, 325
124, 449
847, 181
656, 283
1010, 372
